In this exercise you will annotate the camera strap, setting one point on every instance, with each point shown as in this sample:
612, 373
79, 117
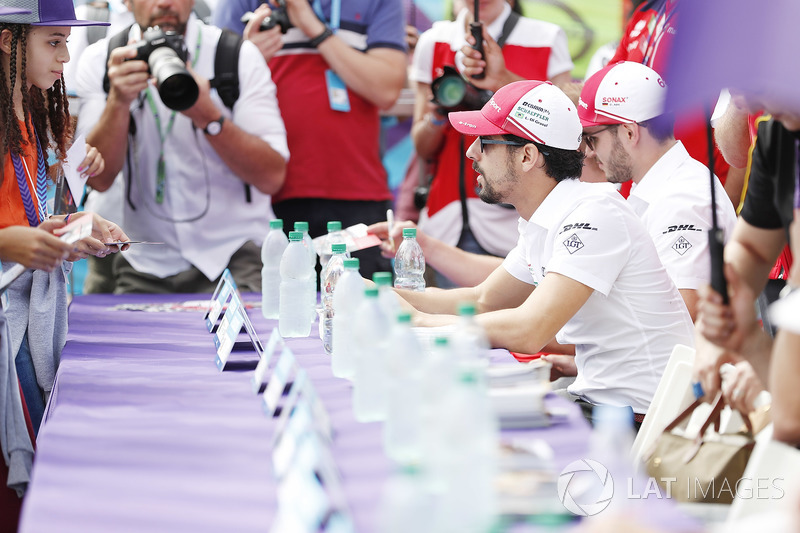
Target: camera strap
161, 168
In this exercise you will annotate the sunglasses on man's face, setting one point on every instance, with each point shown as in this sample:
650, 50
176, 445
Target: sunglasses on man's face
485, 141
591, 138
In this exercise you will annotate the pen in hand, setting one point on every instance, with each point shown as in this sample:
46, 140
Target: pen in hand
390, 224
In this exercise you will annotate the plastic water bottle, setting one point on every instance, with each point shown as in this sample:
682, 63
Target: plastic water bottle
470, 342
372, 338
330, 277
334, 236
271, 253
406, 506
387, 298
312, 258
297, 276
437, 383
469, 503
610, 445
409, 263
402, 432
347, 297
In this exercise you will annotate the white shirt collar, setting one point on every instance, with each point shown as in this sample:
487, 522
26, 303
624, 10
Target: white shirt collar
550, 210
656, 178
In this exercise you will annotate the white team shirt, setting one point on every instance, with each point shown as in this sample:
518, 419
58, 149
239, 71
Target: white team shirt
673, 199
626, 330
204, 218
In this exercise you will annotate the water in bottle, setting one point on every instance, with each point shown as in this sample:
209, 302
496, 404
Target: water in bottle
312, 259
297, 276
347, 297
402, 430
330, 277
409, 263
372, 339
334, 236
271, 253
387, 298
470, 343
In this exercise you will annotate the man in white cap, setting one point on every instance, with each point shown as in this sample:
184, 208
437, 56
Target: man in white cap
584, 271
621, 110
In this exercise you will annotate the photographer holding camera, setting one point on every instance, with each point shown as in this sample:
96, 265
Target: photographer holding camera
198, 173
514, 48
339, 63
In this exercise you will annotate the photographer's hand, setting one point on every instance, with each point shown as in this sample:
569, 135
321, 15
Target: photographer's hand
127, 78
269, 41
110, 135
493, 64
204, 110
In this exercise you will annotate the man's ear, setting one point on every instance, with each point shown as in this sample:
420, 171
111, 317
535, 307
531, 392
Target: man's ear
5, 41
531, 157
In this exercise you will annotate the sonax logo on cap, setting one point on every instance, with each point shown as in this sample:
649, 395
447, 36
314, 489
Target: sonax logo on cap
622, 93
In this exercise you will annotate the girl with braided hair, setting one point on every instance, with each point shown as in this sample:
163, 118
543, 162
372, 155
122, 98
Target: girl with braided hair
34, 118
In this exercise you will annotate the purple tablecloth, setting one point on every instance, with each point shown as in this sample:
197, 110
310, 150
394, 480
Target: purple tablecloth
144, 434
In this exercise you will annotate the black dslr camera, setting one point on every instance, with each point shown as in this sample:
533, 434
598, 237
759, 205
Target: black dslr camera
165, 53
451, 92
278, 17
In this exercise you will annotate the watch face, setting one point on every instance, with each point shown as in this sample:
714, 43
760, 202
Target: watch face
214, 128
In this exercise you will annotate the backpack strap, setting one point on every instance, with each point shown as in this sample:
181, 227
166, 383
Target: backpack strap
226, 67
118, 40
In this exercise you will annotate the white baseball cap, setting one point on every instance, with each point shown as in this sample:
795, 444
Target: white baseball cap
535, 110
622, 93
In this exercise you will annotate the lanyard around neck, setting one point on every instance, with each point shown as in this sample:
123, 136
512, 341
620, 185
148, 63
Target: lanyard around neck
336, 13
25, 183
161, 169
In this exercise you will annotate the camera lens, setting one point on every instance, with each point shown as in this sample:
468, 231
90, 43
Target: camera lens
450, 91
175, 84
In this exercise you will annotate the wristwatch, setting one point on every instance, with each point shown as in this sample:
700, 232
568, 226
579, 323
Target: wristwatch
214, 127
316, 41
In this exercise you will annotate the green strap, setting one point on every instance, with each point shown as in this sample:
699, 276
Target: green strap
161, 167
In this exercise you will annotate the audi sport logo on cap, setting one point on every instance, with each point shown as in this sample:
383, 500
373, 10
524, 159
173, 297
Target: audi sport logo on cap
622, 93
534, 110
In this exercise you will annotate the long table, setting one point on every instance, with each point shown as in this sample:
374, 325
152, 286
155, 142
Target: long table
143, 433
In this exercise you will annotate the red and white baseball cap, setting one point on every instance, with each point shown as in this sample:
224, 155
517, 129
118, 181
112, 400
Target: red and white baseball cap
622, 93
535, 110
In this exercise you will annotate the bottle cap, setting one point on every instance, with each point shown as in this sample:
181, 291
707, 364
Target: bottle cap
301, 226
467, 375
404, 317
409, 232
276, 223
295, 236
466, 308
339, 248
334, 225
351, 262
609, 416
441, 341
371, 292
382, 278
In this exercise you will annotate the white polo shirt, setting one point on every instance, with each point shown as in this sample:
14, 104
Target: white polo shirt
204, 217
626, 330
674, 201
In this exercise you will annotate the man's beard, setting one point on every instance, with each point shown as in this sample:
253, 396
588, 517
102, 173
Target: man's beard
618, 168
178, 27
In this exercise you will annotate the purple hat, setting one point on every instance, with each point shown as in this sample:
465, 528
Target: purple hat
13, 11
43, 13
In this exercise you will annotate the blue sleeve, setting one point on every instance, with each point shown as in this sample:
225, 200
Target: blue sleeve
228, 13
387, 25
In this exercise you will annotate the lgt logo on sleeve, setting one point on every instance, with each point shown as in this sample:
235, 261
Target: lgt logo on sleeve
573, 244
